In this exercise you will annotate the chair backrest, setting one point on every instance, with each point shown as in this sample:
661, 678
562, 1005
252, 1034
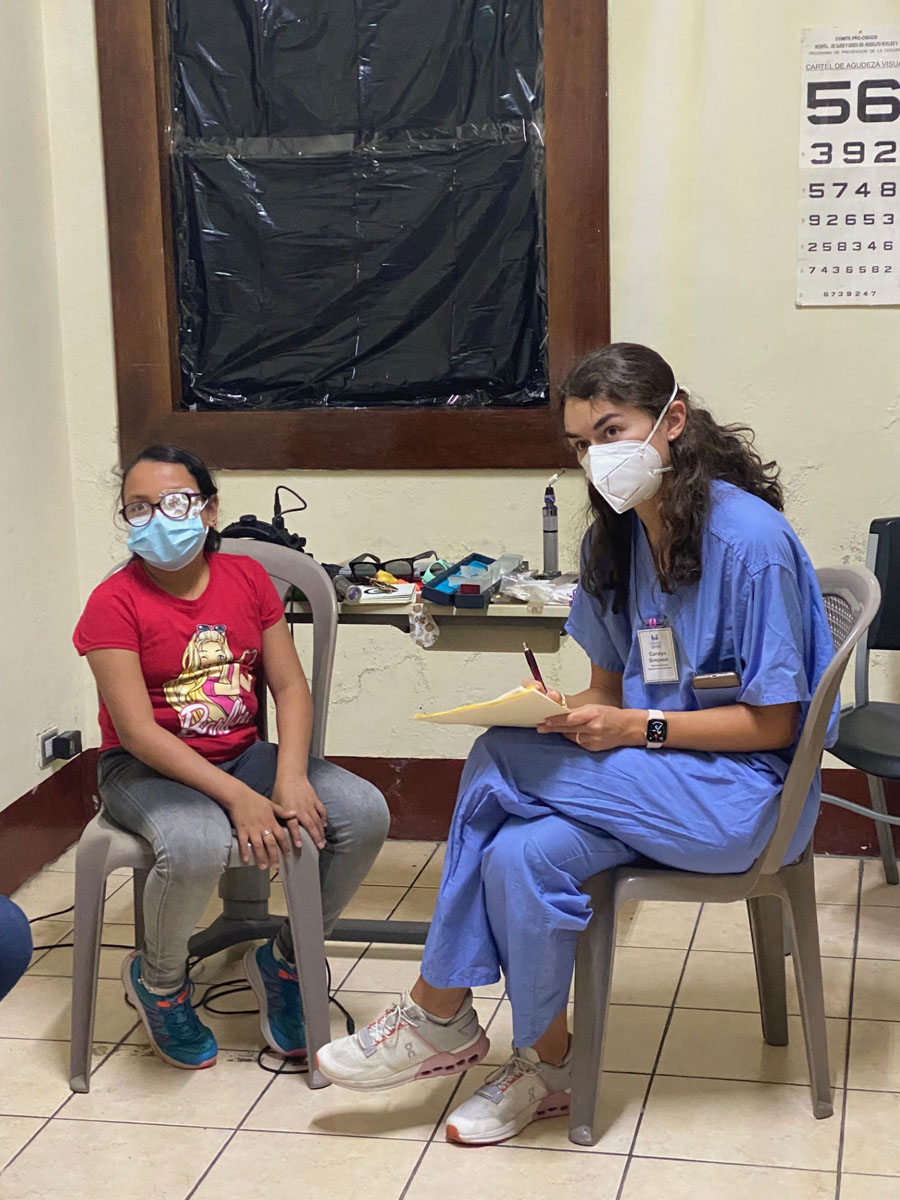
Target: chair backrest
290, 568
851, 596
883, 559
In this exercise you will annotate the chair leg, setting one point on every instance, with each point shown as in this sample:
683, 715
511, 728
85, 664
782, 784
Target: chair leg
137, 886
800, 889
766, 930
90, 899
884, 831
593, 973
300, 872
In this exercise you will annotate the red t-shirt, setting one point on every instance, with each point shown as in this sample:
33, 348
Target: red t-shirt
199, 657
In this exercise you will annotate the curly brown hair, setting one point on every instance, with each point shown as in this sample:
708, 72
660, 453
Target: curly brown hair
635, 376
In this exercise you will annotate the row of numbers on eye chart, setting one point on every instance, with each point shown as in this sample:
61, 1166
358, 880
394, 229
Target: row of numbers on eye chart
868, 231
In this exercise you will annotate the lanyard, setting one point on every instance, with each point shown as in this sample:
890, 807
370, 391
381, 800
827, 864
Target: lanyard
656, 638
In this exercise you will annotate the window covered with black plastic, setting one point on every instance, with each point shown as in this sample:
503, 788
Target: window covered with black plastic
357, 200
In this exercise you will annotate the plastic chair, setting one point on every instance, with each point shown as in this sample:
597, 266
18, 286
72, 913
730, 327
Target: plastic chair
770, 889
104, 847
869, 736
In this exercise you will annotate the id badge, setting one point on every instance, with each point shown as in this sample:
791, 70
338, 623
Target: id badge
658, 660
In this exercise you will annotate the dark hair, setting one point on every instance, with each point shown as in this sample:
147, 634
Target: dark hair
206, 485
637, 377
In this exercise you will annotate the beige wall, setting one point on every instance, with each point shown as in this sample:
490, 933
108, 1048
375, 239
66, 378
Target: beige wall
38, 588
704, 115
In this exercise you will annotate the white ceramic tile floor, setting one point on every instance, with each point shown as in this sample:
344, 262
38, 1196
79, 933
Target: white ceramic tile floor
694, 1104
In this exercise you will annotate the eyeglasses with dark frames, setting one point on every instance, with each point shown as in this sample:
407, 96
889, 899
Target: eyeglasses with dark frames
177, 506
366, 566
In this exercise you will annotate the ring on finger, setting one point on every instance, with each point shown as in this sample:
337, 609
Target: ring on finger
267, 833
577, 739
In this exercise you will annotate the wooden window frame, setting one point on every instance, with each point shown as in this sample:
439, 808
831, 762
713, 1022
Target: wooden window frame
134, 96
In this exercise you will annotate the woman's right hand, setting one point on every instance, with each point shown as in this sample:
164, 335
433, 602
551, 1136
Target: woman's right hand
539, 687
259, 833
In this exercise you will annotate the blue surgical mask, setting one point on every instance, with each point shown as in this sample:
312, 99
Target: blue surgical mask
167, 544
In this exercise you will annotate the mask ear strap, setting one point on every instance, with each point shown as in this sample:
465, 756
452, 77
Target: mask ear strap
659, 419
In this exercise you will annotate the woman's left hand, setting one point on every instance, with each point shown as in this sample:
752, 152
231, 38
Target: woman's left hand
595, 727
296, 803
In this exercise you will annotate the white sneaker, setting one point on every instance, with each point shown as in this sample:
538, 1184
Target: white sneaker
521, 1091
404, 1043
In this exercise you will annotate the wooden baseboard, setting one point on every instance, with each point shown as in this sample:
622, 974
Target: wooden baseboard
45, 822
841, 832
420, 792
38, 827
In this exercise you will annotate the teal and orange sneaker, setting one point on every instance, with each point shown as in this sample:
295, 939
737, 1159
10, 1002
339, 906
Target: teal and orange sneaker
274, 983
175, 1031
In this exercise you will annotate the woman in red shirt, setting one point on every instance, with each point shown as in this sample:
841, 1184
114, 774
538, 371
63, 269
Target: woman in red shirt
174, 641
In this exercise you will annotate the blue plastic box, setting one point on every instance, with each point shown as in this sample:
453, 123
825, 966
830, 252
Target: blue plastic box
439, 590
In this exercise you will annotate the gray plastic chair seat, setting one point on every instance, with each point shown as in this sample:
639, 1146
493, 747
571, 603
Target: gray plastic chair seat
776, 895
869, 739
104, 847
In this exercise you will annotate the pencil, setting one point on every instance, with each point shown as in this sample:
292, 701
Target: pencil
532, 666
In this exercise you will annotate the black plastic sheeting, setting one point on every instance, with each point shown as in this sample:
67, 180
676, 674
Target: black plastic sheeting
358, 198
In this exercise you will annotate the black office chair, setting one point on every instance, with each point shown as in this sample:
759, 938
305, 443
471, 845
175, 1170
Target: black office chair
869, 735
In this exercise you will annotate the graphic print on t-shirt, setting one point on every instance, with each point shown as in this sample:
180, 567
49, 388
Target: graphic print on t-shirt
209, 694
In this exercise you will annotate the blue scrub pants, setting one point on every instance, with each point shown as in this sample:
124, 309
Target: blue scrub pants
15, 944
537, 815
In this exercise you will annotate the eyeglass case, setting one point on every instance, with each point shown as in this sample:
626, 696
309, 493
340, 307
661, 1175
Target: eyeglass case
441, 591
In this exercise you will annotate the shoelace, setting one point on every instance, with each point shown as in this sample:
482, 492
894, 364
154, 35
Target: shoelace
285, 1001
506, 1075
180, 1019
389, 1022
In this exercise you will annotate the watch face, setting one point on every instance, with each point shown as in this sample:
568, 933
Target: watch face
656, 731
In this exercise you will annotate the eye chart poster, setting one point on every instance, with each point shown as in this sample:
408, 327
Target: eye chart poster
849, 231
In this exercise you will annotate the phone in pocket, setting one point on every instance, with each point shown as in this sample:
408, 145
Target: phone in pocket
716, 689
719, 679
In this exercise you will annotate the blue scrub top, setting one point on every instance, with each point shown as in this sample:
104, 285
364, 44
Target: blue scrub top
756, 610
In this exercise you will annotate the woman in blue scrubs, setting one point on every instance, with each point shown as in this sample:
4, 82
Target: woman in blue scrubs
689, 569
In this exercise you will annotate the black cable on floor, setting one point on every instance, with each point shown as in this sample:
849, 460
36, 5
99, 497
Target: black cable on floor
46, 917
71, 945
216, 991
232, 987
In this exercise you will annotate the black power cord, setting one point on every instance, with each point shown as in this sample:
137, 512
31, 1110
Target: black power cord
215, 992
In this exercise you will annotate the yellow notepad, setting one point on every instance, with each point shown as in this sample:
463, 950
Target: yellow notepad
524, 708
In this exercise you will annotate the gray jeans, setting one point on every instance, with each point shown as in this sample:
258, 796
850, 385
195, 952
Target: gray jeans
191, 837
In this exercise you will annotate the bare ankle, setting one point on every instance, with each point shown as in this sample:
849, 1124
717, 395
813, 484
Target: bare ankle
553, 1046
443, 1003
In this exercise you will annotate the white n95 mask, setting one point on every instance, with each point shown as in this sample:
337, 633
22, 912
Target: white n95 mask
629, 472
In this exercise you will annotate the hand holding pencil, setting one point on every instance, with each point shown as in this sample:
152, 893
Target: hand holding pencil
536, 680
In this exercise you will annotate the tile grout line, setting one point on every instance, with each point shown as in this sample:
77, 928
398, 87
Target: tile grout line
61, 1106
656, 1061
442, 1115
232, 1135
840, 1154
407, 889
22, 1149
424, 866
733, 1162
271, 1082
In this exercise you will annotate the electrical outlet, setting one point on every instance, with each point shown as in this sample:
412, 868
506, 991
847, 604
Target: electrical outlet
45, 747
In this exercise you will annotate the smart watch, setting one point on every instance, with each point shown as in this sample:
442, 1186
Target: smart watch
657, 728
